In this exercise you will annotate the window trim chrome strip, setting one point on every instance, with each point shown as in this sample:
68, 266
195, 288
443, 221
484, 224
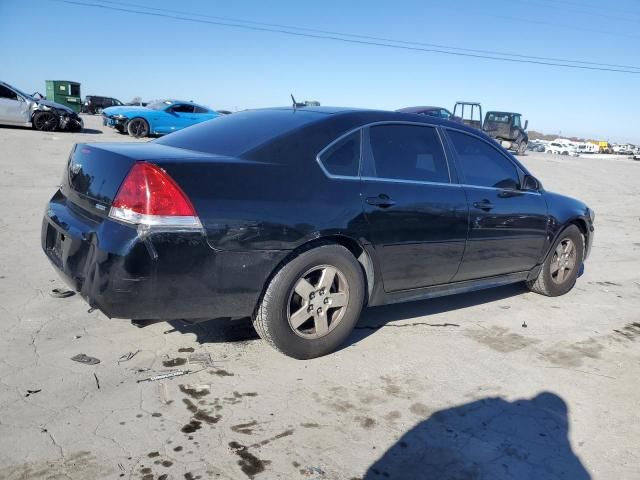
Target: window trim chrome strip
373, 124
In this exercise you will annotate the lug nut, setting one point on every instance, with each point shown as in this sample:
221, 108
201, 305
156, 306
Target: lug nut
312, 295
319, 311
322, 291
327, 301
310, 308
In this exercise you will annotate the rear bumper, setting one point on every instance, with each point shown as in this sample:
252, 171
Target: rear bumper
164, 276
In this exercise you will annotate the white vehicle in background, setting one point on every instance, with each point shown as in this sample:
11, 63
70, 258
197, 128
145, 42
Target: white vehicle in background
562, 149
588, 148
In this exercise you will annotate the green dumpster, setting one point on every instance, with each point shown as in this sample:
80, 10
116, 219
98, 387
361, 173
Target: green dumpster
65, 92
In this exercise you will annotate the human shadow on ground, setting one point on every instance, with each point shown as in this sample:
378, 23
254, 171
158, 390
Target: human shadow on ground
491, 439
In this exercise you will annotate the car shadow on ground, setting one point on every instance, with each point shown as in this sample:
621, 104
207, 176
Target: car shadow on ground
372, 319
490, 438
84, 130
375, 318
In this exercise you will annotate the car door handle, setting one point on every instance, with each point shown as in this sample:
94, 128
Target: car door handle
382, 201
483, 205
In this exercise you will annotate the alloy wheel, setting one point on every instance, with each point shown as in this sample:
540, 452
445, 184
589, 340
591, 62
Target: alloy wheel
317, 302
45, 122
564, 261
137, 128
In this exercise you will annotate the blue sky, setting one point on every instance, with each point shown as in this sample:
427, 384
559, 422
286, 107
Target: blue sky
124, 55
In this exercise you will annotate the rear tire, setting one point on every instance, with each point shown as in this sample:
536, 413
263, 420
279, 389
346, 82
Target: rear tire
555, 278
138, 128
522, 147
312, 303
45, 121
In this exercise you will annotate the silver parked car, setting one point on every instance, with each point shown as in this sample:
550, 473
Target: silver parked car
19, 108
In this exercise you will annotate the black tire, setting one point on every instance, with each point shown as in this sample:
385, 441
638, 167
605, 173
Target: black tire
138, 127
121, 129
45, 121
271, 319
545, 284
522, 147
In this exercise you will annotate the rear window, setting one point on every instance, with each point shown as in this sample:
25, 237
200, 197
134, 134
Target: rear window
235, 134
498, 117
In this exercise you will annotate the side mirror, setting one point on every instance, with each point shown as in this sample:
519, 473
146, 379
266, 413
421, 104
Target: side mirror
530, 184
526, 124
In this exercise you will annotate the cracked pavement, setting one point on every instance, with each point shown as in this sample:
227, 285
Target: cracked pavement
462, 391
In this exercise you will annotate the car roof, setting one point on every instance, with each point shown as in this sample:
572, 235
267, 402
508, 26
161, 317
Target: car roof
503, 113
420, 109
362, 116
172, 101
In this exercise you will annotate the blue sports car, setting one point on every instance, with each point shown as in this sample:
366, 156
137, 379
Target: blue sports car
156, 118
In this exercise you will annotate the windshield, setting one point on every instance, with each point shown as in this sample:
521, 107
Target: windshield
161, 105
238, 133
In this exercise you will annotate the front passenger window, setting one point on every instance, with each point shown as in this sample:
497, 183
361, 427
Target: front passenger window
7, 93
483, 165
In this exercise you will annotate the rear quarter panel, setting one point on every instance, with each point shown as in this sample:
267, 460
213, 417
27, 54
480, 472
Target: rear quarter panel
248, 205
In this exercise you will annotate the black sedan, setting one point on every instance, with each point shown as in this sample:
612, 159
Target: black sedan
300, 217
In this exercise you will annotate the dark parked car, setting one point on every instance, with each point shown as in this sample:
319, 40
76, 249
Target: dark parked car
437, 112
300, 217
95, 104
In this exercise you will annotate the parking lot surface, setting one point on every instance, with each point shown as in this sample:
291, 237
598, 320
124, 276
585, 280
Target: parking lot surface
495, 384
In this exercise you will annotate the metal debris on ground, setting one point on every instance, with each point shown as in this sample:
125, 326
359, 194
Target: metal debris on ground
61, 293
128, 356
312, 471
97, 381
31, 392
202, 358
167, 375
524, 324
164, 393
86, 359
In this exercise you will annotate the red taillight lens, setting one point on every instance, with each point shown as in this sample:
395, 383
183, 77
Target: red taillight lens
149, 196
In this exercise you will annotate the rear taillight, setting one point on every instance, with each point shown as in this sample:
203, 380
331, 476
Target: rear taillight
149, 197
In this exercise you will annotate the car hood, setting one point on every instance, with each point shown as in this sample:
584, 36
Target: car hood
57, 106
125, 110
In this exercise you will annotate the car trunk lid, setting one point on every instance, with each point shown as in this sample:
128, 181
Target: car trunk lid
96, 171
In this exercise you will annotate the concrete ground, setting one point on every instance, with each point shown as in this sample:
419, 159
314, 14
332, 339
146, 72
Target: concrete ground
496, 384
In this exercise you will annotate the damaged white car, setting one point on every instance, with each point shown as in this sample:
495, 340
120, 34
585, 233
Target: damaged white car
21, 109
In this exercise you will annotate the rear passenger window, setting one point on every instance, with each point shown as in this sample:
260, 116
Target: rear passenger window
482, 164
408, 152
343, 157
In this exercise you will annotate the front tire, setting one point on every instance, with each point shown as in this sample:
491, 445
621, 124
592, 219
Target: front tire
45, 121
522, 147
313, 302
138, 128
560, 269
